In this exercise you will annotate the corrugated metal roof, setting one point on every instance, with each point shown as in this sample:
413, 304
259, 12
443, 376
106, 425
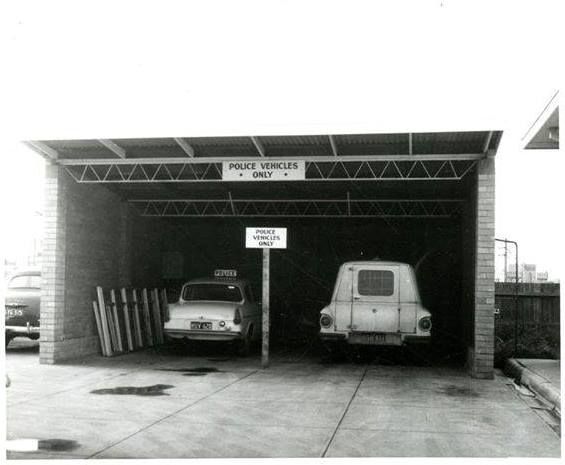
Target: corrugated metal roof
472, 142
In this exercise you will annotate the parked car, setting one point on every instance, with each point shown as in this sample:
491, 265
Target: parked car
22, 305
215, 309
375, 303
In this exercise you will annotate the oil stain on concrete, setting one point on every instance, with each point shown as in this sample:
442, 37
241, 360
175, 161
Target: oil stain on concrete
34, 445
198, 371
458, 391
57, 445
155, 390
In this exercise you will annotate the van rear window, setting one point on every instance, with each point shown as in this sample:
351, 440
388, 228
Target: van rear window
376, 282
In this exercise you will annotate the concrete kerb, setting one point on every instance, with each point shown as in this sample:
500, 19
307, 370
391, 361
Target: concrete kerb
536, 383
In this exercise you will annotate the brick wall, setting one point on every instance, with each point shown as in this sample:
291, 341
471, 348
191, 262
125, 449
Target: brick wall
92, 238
84, 246
481, 364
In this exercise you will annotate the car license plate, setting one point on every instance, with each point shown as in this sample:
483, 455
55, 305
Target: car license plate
12, 312
200, 325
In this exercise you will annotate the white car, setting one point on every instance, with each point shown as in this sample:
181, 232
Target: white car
212, 309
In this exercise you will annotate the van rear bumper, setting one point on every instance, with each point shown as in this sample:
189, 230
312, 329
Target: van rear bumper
332, 336
368, 338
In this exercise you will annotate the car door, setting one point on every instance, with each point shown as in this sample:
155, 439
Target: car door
375, 302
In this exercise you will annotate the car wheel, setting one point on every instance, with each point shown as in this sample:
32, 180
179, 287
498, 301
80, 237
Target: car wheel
8, 339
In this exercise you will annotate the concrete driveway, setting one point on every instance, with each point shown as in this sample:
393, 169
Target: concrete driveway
169, 405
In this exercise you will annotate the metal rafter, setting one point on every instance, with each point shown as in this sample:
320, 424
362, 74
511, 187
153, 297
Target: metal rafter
258, 145
112, 146
302, 208
43, 149
486, 144
188, 149
198, 170
333, 145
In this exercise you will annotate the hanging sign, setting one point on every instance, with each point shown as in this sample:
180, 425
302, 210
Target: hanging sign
265, 238
264, 170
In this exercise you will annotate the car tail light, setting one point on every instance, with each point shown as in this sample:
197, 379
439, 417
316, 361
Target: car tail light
237, 317
425, 324
326, 321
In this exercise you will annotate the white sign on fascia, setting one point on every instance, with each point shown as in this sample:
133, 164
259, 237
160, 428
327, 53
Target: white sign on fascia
265, 238
264, 170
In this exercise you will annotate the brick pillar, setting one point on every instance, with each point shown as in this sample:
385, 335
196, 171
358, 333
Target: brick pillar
482, 361
53, 263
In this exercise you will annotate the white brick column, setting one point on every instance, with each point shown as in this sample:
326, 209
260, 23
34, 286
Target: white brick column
482, 363
53, 263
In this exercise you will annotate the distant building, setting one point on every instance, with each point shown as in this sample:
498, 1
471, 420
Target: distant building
527, 273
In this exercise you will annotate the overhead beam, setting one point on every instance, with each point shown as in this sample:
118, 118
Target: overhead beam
185, 146
332, 159
334, 145
43, 149
316, 171
113, 147
258, 145
300, 208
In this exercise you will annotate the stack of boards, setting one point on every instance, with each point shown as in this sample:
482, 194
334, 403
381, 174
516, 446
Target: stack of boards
132, 322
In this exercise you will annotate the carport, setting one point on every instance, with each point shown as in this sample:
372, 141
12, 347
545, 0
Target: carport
157, 211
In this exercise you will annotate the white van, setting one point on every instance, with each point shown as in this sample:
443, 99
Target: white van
375, 303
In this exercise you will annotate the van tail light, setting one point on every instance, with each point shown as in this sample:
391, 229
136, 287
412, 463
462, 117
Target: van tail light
425, 324
325, 321
237, 317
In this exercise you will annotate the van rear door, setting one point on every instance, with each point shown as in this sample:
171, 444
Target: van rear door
375, 305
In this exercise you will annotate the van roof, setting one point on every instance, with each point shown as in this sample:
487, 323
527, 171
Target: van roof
376, 262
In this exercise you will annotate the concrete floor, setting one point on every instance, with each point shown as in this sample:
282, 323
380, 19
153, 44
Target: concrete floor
296, 408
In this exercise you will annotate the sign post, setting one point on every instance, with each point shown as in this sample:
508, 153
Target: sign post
266, 314
266, 239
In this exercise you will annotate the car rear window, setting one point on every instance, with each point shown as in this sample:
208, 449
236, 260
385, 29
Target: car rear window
217, 292
376, 282
27, 281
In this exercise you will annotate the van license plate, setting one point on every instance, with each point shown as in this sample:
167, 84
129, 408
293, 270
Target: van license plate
200, 325
374, 339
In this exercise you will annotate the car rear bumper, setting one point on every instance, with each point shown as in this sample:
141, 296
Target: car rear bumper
332, 336
203, 335
27, 330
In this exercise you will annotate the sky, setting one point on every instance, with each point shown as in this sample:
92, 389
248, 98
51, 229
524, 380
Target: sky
149, 69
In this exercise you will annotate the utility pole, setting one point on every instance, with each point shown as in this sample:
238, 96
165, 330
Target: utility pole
505, 258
